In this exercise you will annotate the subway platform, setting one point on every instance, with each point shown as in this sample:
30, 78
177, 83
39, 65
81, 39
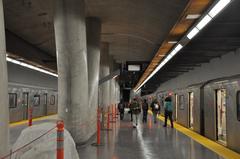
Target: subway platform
147, 141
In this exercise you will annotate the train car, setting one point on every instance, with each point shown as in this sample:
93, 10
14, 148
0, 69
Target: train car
188, 107
43, 101
222, 111
211, 108
30, 89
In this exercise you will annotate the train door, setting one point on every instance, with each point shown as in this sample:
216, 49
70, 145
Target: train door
45, 104
176, 106
221, 115
191, 105
25, 105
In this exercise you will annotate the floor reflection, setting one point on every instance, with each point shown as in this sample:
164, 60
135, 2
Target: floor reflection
148, 141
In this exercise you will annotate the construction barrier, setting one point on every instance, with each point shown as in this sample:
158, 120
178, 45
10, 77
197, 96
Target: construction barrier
98, 143
108, 118
30, 116
113, 115
26, 145
60, 140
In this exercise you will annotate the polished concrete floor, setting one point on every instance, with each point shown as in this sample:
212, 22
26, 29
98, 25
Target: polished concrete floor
147, 141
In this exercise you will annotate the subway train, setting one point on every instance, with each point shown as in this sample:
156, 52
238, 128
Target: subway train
211, 108
43, 101
30, 89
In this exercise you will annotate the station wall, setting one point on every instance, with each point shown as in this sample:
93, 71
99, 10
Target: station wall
24, 76
226, 65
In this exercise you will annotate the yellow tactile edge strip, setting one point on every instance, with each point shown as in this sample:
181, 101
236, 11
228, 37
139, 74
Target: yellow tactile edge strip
35, 119
215, 147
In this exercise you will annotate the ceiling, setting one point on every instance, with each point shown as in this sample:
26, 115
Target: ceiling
221, 36
134, 28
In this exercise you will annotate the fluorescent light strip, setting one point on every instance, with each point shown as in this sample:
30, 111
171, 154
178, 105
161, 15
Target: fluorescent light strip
178, 48
169, 56
115, 76
30, 66
192, 33
212, 13
204, 22
218, 7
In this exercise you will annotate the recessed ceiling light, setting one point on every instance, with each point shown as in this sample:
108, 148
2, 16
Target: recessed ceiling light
192, 16
172, 42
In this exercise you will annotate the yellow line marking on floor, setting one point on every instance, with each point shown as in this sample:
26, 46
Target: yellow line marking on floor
54, 116
215, 147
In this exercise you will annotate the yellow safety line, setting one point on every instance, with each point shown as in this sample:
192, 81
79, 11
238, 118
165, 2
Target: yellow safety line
215, 147
35, 119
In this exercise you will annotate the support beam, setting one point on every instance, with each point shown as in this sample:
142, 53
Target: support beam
109, 77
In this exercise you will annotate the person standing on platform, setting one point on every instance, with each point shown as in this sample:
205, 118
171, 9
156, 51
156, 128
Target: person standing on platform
155, 109
136, 110
168, 108
130, 111
145, 111
121, 109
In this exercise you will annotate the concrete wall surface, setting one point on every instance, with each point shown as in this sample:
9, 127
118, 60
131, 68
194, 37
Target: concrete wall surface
227, 65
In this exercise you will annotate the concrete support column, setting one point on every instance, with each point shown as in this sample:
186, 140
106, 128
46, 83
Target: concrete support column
117, 94
105, 87
105, 70
93, 57
4, 113
70, 35
113, 91
112, 81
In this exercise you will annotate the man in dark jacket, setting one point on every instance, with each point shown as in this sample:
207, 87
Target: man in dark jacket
155, 109
145, 111
121, 109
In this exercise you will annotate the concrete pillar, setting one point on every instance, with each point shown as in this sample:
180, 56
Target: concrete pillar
117, 95
113, 91
104, 89
70, 35
93, 57
105, 70
112, 81
4, 113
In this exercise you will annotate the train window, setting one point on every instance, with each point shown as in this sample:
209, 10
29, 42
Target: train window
36, 100
181, 102
238, 105
12, 97
52, 100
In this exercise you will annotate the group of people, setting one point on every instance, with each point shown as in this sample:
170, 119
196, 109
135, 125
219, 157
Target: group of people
136, 106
